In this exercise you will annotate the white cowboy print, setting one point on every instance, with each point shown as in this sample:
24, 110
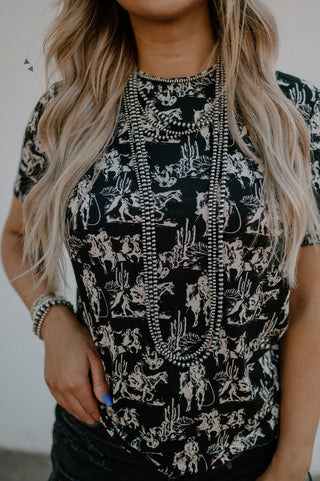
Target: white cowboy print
183, 420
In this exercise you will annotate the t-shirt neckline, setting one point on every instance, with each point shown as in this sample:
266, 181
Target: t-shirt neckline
204, 74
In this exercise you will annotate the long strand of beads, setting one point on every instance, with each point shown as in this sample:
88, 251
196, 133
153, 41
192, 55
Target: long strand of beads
212, 306
188, 356
139, 155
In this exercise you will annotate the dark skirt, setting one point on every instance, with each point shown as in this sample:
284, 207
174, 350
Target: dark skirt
83, 452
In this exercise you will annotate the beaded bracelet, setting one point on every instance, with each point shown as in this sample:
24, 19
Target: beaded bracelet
41, 307
37, 303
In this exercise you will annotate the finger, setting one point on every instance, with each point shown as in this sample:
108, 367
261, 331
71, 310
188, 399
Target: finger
99, 383
62, 400
72, 404
87, 400
72, 407
79, 411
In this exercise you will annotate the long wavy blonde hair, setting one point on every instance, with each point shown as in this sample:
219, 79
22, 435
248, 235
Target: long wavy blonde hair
92, 45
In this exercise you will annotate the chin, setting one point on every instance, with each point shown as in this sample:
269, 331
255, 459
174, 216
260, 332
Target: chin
160, 10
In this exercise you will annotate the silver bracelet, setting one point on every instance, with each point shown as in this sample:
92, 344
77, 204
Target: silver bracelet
41, 307
37, 303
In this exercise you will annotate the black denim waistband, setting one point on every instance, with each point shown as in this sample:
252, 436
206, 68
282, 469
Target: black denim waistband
97, 435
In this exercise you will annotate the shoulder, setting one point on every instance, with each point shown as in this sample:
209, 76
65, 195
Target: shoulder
304, 94
52, 91
31, 141
33, 158
47, 96
39, 107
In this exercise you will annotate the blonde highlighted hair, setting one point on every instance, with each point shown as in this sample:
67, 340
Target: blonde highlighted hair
92, 46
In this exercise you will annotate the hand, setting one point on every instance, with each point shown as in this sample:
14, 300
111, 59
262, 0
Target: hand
277, 472
70, 354
269, 476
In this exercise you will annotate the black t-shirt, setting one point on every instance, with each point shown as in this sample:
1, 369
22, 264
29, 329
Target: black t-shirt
184, 420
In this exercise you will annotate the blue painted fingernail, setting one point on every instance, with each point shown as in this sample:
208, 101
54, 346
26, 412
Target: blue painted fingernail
107, 399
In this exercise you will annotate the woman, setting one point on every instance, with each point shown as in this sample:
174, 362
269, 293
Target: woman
174, 163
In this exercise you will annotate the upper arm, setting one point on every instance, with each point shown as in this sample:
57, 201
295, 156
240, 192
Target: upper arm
33, 159
307, 291
14, 222
310, 107
32, 163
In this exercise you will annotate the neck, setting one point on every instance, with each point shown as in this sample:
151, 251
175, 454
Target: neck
176, 48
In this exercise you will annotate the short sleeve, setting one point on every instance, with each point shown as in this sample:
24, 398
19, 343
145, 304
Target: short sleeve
311, 95
33, 160
305, 96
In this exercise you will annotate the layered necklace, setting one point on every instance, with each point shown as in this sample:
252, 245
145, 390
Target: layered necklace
165, 129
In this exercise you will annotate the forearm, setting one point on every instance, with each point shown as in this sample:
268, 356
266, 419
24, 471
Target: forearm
300, 388
11, 254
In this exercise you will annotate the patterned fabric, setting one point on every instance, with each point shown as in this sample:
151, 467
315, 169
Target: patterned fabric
184, 420
85, 452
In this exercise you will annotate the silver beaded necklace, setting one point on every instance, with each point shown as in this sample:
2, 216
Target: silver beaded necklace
205, 119
215, 221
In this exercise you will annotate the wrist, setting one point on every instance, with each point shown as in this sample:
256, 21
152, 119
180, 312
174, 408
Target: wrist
291, 461
42, 306
57, 314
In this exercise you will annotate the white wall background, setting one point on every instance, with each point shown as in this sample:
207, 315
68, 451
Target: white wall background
26, 404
